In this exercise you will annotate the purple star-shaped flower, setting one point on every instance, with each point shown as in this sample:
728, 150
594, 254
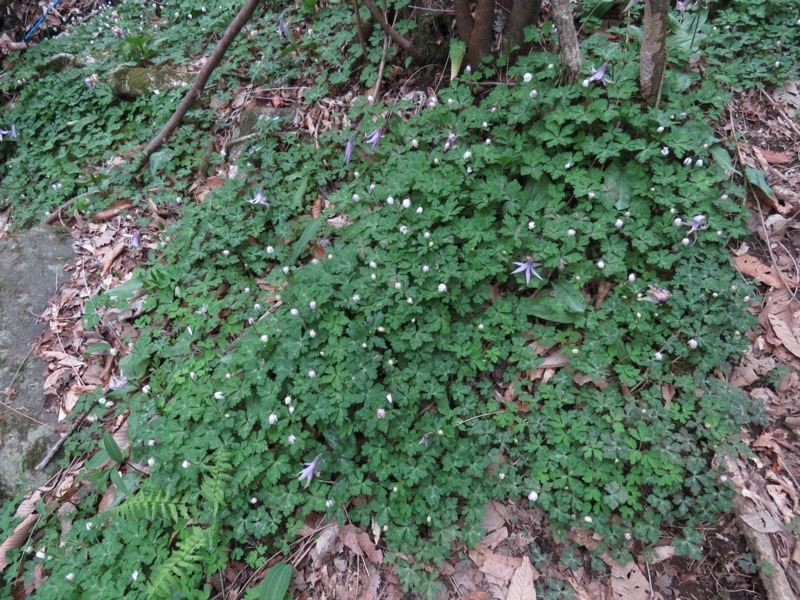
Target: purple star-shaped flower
348, 149
281, 28
259, 199
695, 225
683, 5
374, 138
310, 470
598, 75
11, 132
424, 440
657, 295
529, 268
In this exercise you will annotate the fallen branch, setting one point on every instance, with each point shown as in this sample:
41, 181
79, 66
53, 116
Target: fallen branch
393, 33
202, 78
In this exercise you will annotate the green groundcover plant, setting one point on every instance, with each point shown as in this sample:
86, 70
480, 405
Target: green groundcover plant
376, 363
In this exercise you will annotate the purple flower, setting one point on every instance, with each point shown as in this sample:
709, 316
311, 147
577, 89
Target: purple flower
374, 138
451, 142
657, 295
696, 224
259, 199
598, 75
683, 5
529, 268
424, 440
348, 149
281, 28
310, 470
91, 81
11, 132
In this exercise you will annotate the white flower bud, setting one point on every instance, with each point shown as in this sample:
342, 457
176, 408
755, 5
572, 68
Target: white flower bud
631, 277
330, 503
686, 241
380, 413
442, 288
291, 439
571, 232
414, 143
467, 155
527, 77
219, 396
390, 200
618, 223
693, 344
356, 298
273, 418
313, 305
312, 374
70, 577
264, 338
425, 268
312, 334
407, 203
658, 356
186, 464
660, 129
533, 496
356, 197
601, 264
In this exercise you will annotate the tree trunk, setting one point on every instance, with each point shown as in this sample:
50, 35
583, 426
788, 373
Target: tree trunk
569, 51
475, 31
523, 14
653, 52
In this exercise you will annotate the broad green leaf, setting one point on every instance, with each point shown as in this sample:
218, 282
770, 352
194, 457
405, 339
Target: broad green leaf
570, 296
112, 448
550, 309
134, 365
757, 179
116, 479
458, 50
276, 583
723, 159
308, 235
98, 348
100, 457
617, 185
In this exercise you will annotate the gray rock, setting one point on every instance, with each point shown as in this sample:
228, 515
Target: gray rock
30, 271
132, 82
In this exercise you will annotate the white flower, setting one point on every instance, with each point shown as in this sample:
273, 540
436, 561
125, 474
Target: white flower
294, 312
678, 222
533, 496
414, 143
403, 229
467, 155
41, 555
672, 211
627, 535
425, 268
389, 398
631, 277
398, 286
189, 331
390, 200
287, 401
618, 223
660, 130
687, 161
356, 298
226, 253
186, 464
568, 165
380, 413
550, 66
693, 344
312, 334
264, 338
134, 575
488, 142
686, 241
356, 197
313, 305
219, 396
109, 404
531, 225
665, 150
407, 203
151, 443
102, 401
527, 77
571, 232
330, 503
286, 270
587, 519
410, 300
533, 94
256, 306
601, 264
480, 326
501, 475
145, 389
291, 439
373, 276
291, 410
426, 234
253, 500
312, 374
419, 210
89, 526
70, 576
150, 462
273, 418
591, 195
442, 288
373, 265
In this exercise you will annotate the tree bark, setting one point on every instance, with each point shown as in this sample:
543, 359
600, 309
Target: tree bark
523, 14
569, 51
653, 51
475, 31
202, 78
464, 21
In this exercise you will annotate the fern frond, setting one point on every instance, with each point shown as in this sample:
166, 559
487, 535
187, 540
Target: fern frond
150, 505
216, 481
183, 564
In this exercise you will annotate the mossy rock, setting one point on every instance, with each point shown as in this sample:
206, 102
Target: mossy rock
133, 82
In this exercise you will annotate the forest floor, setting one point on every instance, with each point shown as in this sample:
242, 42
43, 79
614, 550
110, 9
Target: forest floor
343, 563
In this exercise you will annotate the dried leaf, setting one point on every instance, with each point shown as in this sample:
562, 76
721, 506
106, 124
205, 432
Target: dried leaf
628, 583
752, 267
348, 536
496, 516
112, 211
775, 158
521, 586
475, 596
786, 334
18, 538
373, 554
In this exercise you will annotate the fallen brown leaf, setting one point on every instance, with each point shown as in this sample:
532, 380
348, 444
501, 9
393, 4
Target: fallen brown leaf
752, 267
475, 596
521, 586
775, 158
628, 582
